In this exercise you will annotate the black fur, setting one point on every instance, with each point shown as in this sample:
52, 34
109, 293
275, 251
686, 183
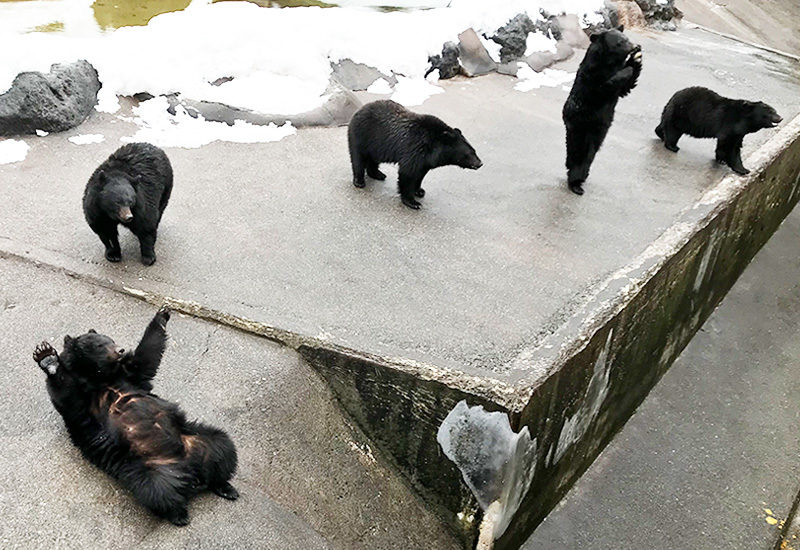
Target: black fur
702, 113
609, 71
385, 131
104, 396
132, 188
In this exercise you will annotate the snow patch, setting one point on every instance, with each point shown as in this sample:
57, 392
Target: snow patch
380, 87
413, 91
531, 80
12, 150
86, 139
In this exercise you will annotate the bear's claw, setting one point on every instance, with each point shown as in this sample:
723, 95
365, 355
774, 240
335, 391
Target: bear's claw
411, 203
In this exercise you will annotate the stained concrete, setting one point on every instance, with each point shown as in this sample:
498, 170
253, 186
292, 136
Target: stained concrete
716, 443
308, 479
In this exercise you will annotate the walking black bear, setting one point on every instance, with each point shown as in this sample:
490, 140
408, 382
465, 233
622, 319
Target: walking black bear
132, 187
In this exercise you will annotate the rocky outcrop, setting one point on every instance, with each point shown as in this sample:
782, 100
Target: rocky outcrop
52, 102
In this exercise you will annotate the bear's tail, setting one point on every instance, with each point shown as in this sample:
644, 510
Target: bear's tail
660, 132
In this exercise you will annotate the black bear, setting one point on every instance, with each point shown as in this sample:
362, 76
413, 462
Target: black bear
132, 188
385, 131
703, 113
609, 71
104, 395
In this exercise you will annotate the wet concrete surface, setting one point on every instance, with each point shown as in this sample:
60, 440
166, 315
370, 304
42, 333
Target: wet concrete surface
710, 459
494, 260
308, 479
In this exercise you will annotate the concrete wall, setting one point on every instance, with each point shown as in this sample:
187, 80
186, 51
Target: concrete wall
642, 326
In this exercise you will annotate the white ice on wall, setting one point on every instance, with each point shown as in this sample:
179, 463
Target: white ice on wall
12, 150
531, 80
496, 463
575, 427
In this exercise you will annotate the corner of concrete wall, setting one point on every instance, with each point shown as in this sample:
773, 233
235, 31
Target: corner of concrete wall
605, 371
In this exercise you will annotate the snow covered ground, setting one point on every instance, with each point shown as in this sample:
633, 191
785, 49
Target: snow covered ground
279, 59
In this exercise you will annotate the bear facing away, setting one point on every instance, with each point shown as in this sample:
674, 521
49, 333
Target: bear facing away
609, 71
385, 131
104, 396
703, 113
132, 187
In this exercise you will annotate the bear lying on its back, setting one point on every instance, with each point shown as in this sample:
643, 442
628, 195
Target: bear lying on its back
703, 113
385, 131
132, 187
104, 396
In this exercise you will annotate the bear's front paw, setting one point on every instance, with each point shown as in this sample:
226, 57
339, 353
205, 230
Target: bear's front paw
179, 518
163, 316
635, 57
741, 170
419, 192
113, 256
148, 260
673, 148
411, 203
46, 357
359, 183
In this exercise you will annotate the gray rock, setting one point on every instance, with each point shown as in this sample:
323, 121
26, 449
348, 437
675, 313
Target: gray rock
447, 63
357, 76
475, 60
511, 68
52, 102
549, 25
513, 37
337, 110
563, 51
654, 11
539, 61
572, 32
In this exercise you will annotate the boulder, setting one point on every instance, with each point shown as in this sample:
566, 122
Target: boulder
475, 60
447, 63
357, 76
53, 102
513, 37
572, 32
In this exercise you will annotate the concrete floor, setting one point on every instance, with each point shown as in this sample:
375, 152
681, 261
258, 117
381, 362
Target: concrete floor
716, 443
308, 478
495, 259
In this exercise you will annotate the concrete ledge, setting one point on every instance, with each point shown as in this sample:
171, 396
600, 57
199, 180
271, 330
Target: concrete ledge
628, 334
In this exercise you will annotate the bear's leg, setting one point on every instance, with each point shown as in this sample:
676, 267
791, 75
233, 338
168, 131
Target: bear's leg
373, 172
660, 131
359, 163
110, 239
407, 185
160, 490
147, 245
729, 151
419, 191
217, 458
577, 152
671, 137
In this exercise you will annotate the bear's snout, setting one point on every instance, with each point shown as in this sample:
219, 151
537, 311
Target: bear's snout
776, 119
477, 163
125, 214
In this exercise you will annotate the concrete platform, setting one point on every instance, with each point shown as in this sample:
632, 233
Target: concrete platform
503, 290
308, 479
716, 443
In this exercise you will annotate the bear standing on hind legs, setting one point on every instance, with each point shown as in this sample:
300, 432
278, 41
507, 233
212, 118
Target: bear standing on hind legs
609, 71
132, 187
104, 396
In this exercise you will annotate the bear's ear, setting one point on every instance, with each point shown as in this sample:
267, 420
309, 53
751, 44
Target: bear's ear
101, 177
621, 28
92, 331
457, 131
67, 341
